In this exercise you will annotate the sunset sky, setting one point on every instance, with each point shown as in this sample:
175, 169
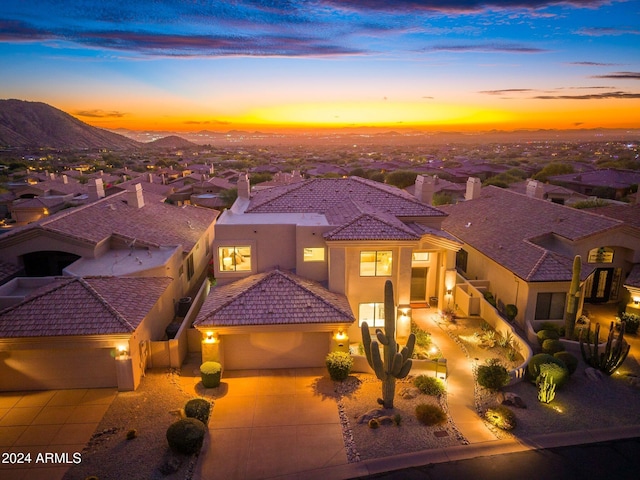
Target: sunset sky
269, 64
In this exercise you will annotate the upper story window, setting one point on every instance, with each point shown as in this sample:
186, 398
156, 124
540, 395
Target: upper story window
313, 254
461, 260
420, 256
601, 255
372, 313
235, 258
190, 267
376, 263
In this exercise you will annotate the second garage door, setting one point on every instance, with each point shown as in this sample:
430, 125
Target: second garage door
275, 350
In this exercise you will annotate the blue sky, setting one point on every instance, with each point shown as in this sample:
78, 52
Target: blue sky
430, 64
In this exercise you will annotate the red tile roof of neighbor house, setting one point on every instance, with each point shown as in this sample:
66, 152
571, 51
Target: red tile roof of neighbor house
7, 271
156, 223
633, 279
84, 306
321, 195
518, 232
608, 177
629, 214
273, 298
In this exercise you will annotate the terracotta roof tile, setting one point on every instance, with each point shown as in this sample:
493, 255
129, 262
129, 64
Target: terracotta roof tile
323, 195
89, 306
7, 271
156, 223
273, 298
515, 231
633, 279
371, 227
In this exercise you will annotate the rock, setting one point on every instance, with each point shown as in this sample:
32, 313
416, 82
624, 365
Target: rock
513, 400
375, 413
593, 374
385, 420
409, 393
500, 398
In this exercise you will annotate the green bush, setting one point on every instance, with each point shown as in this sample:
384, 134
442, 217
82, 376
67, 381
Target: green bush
559, 374
551, 346
570, 361
339, 365
423, 338
501, 417
554, 327
547, 335
493, 376
488, 296
533, 369
186, 435
632, 322
430, 414
511, 311
199, 408
429, 385
210, 372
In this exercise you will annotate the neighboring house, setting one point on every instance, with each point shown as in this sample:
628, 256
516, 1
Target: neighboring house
348, 235
27, 210
547, 191
524, 247
606, 183
131, 234
427, 186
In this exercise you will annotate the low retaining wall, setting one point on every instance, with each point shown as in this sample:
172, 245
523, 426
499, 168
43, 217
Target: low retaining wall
436, 368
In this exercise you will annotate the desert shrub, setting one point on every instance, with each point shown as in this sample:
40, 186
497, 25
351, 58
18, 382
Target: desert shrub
551, 346
339, 365
511, 311
547, 334
501, 417
505, 340
533, 368
198, 408
493, 376
554, 327
631, 321
429, 385
559, 374
488, 296
570, 361
423, 338
397, 419
210, 373
430, 414
186, 435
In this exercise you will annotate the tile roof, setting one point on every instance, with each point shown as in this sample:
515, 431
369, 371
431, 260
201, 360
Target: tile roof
273, 298
608, 177
7, 271
513, 230
83, 306
633, 279
322, 195
369, 227
156, 223
629, 214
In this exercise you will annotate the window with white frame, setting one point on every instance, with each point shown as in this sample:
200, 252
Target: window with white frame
376, 263
372, 313
235, 258
313, 254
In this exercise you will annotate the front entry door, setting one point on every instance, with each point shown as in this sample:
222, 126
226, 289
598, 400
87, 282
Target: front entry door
598, 286
419, 284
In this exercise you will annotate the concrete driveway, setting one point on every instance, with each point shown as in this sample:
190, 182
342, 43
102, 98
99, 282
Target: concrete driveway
40, 424
271, 423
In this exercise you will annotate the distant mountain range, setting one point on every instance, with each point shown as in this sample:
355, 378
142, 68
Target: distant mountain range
171, 142
35, 124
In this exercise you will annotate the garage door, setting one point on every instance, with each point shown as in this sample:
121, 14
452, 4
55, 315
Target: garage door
275, 350
56, 369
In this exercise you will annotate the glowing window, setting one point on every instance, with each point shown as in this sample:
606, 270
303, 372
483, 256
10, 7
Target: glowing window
376, 263
420, 256
372, 313
313, 254
235, 259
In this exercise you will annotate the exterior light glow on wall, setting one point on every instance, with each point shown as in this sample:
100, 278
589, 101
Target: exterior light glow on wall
122, 351
341, 335
211, 337
636, 300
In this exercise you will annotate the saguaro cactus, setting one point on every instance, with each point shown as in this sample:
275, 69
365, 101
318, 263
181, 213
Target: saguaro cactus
396, 364
615, 351
572, 301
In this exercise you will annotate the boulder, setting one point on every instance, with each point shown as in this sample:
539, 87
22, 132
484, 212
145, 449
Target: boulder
409, 393
513, 400
375, 413
385, 420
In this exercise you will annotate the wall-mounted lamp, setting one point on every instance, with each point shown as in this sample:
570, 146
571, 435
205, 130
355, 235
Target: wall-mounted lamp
122, 351
211, 337
636, 300
449, 291
340, 335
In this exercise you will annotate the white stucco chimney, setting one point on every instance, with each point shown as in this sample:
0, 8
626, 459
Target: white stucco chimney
425, 187
96, 189
65, 179
135, 198
474, 185
52, 176
535, 189
244, 187
150, 177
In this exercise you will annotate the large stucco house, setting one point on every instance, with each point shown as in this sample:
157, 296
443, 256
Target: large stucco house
300, 266
87, 290
521, 249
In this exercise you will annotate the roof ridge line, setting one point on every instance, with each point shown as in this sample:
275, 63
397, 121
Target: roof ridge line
293, 187
106, 304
